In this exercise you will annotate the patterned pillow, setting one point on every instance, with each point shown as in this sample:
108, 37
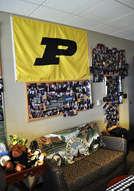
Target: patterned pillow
70, 145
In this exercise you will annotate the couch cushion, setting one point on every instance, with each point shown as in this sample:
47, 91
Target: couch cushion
107, 159
81, 174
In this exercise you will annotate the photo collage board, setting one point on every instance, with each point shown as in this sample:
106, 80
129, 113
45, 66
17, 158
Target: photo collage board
109, 66
49, 99
2, 122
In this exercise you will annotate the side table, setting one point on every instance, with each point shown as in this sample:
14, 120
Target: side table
16, 178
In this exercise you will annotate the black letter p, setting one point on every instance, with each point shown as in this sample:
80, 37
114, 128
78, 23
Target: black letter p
51, 51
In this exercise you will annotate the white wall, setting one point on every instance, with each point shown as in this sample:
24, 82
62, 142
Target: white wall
15, 95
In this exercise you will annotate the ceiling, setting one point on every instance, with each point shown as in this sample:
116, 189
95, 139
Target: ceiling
112, 17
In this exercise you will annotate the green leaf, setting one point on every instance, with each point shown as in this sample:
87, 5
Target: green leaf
11, 136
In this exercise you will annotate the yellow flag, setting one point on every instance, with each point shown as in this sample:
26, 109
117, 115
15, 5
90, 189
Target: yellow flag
49, 52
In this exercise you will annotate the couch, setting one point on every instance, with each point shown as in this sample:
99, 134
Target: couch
106, 159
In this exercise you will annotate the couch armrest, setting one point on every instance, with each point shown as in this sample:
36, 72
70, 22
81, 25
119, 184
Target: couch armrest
115, 143
53, 178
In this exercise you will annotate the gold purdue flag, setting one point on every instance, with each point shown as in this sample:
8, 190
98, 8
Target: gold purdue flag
49, 52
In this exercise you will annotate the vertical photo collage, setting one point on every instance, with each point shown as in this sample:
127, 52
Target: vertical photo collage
111, 112
58, 98
114, 97
109, 66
